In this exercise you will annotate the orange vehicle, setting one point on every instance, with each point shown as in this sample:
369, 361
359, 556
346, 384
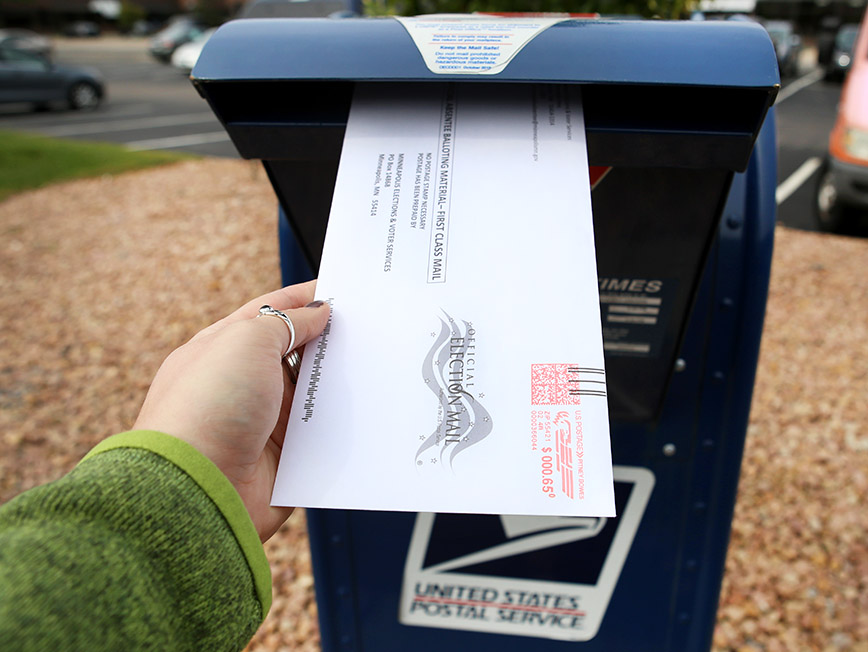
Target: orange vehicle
842, 191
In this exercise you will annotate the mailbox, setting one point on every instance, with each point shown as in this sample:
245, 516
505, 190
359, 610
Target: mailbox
681, 145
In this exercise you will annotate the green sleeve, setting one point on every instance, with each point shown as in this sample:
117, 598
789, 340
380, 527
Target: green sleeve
144, 545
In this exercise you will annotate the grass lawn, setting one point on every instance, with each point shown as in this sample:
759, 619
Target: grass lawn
28, 161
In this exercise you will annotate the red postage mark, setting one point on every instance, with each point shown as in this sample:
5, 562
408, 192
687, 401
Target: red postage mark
565, 384
557, 439
556, 393
550, 385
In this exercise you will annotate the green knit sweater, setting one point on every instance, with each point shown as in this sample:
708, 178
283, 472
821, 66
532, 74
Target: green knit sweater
145, 545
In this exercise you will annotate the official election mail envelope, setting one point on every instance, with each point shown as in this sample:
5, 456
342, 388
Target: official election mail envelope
462, 368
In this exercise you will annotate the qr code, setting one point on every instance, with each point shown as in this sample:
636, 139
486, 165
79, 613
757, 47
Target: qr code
554, 384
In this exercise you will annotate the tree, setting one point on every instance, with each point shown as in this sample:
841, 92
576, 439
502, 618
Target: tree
645, 8
130, 14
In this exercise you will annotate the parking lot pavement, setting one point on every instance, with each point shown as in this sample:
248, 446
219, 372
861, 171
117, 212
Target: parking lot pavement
149, 105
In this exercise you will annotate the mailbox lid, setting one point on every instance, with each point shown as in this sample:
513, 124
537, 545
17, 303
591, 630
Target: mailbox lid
673, 108
659, 53
677, 94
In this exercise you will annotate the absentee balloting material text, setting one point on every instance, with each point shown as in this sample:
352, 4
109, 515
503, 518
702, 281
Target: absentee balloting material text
462, 368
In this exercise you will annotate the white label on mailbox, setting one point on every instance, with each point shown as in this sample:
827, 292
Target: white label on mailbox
472, 45
541, 576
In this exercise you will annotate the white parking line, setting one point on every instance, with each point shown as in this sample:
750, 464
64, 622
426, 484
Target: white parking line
129, 125
123, 110
132, 109
800, 84
36, 120
179, 141
797, 178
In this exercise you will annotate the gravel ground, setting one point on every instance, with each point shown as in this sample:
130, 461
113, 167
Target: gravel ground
104, 277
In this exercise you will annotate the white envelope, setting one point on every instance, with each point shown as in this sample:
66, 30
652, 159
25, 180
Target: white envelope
462, 368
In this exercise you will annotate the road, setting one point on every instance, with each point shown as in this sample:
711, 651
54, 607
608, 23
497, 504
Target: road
149, 105
805, 112
153, 106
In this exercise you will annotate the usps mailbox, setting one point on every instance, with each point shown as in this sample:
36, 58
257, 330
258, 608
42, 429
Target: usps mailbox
681, 143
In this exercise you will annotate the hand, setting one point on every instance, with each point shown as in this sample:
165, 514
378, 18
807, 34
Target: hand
227, 392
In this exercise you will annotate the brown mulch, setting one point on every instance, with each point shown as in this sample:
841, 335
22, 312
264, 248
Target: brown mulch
102, 278
797, 570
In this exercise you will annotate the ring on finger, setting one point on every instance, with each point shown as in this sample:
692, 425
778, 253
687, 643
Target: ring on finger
268, 311
293, 363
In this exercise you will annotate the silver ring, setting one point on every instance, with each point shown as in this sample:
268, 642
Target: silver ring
268, 311
293, 363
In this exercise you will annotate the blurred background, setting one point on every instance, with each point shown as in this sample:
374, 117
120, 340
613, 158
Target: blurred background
102, 277
125, 64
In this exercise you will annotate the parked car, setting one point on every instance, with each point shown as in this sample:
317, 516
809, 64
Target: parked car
842, 52
24, 39
842, 189
145, 27
295, 9
826, 32
82, 29
28, 77
180, 30
186, 56
788, 45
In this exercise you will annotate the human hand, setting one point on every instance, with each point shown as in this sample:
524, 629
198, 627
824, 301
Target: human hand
227, 393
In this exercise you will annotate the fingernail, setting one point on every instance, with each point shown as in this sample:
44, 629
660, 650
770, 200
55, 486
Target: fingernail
314, 304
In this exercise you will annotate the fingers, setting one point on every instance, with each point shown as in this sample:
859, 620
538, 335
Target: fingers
308, 322
292, 296
279, 433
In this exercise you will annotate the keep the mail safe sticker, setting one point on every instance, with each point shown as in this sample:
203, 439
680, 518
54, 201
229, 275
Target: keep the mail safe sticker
474, 45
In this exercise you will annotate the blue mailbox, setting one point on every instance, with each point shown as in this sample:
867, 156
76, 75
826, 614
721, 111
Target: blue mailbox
681, 141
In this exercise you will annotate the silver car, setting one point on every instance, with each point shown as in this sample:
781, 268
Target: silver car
28, 77
24, 39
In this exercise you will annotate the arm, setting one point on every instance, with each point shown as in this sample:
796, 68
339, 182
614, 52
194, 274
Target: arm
144, 545
153, 540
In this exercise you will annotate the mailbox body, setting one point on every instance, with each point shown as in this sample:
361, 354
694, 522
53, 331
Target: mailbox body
684, 219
